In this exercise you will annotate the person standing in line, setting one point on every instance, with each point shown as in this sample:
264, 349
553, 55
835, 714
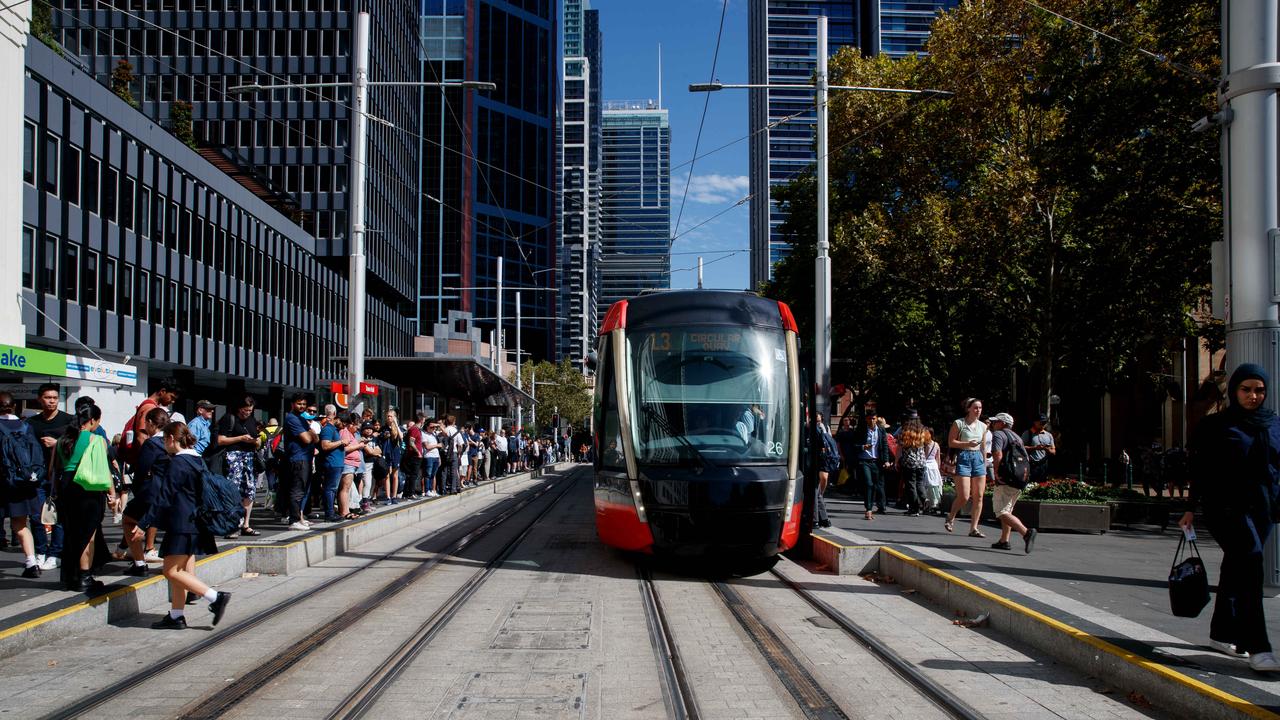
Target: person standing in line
331, 460
175, 497
352, 451
201, 426
80, 508
1040, 446
21, 476
392, 453
451, 449
238, 435
967, 435
431, 458
1003, 442
500, 452
48, 425
872, 456
411, 460
297, 441
1235, 462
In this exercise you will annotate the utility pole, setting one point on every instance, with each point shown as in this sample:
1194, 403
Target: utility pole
519, 347
356, 290
822, 263
1250, 290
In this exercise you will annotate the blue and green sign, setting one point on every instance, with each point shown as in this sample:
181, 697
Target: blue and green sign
42, 362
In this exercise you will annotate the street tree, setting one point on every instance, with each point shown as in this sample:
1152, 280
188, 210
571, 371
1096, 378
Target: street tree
561, 388
1053, 217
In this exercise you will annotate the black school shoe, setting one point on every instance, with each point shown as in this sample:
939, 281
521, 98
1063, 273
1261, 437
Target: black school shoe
1030, 540
192, 598
1001, 545
137, 570
219, 606
169, 622
31, 571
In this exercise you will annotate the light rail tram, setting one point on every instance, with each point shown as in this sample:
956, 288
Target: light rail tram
697, 426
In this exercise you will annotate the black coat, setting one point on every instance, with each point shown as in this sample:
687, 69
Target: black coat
1235, 476
175, 496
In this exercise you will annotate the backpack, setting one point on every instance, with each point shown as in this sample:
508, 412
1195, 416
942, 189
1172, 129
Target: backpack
914, 457
130, 448
220, 511
1014, 462
892, 442
21, 457
447, 451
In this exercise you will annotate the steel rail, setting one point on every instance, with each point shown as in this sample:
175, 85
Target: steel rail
946, 700
227, 697
677, 693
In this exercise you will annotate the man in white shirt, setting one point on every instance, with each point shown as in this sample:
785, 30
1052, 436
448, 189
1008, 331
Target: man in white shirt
500, 449
431, 458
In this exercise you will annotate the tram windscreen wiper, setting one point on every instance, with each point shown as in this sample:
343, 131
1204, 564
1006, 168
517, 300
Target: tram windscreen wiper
665, 424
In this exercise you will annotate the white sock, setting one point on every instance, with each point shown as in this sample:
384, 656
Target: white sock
139, 563
31, 560
175, 613
210, 594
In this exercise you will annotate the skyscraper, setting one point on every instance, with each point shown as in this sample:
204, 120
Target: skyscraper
782, 49
578, 246
295, 144
488, 169
635, 217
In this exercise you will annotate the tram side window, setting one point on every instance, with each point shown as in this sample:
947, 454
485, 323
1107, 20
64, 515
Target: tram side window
610, 450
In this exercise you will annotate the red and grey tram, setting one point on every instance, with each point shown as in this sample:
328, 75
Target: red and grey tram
697, 425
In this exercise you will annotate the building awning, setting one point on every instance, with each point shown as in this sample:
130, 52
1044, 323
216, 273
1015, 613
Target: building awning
455, 376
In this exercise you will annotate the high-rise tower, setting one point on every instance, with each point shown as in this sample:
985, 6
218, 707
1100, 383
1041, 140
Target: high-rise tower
635, 183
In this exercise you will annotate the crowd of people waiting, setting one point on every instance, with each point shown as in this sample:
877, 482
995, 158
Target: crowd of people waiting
61, 474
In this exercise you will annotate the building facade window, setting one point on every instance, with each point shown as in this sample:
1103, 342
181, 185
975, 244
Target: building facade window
29, 257
70, 272
49, 265
29, 153
51, 163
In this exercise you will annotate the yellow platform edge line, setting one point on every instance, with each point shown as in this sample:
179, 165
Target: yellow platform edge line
108, 597
1226, 698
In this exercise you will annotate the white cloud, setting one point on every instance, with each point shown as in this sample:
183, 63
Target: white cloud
714, 189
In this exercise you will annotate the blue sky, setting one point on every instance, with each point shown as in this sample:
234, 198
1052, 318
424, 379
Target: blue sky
632, 30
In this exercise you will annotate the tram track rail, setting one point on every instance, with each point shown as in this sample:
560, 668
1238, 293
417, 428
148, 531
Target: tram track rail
677, 692
946, 700
359, 702
88, 703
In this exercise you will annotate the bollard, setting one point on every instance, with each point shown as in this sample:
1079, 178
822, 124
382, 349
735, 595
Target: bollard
1104, 474
1080, 477
1128, 476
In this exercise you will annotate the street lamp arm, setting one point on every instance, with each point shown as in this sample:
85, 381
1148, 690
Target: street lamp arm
241, 89
715, 86
900, 91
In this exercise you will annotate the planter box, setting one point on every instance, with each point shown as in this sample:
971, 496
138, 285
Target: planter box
1063, 516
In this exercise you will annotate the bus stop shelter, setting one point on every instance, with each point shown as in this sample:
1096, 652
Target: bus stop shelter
467, 386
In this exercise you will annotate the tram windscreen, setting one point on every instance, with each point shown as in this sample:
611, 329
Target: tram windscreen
710, 393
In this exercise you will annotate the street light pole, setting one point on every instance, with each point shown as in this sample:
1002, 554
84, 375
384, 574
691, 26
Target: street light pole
822, 263
356, 294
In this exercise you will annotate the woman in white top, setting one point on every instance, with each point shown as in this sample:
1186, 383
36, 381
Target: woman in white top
966, 436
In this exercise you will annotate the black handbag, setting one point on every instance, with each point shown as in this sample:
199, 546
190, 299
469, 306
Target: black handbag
1188, 581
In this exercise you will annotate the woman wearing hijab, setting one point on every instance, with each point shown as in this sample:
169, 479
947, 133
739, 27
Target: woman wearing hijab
1235, 461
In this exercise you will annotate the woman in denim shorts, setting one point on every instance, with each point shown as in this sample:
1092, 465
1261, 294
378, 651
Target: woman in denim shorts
966, 436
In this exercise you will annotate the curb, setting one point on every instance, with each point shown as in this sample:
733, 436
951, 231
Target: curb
74, 615
1167, 687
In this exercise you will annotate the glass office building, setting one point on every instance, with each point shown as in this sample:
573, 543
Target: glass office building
578, 245
635, 218
782, 49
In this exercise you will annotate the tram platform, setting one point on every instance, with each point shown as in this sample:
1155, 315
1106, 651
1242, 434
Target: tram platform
1098, 601
35, 611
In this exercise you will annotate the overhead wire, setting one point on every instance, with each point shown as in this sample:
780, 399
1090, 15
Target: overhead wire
706, 103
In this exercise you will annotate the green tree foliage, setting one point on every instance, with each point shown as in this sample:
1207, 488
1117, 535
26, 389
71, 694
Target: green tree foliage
42, 25
122, 77
567, 392
180, 119
1054, 215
